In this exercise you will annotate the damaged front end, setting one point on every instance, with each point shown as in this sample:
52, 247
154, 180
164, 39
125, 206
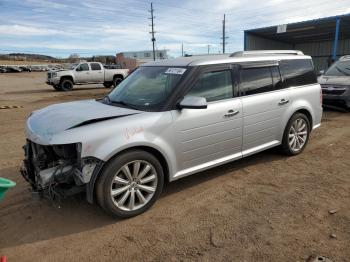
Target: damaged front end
57, 171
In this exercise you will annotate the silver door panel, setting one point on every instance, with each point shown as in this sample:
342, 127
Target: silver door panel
205, 135
262, 118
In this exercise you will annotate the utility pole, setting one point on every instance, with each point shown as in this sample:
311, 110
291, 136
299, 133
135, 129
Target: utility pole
224, 37
182, 49
152, 32
208, 49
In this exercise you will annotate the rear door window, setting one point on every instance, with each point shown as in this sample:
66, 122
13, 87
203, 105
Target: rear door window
95, 66
276, 78
255, 80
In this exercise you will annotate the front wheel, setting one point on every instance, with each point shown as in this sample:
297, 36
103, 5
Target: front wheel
296, 134
66, 84
130, 184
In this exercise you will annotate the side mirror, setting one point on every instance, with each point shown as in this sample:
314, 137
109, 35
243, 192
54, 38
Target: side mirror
78, 69
193, 102
321, 72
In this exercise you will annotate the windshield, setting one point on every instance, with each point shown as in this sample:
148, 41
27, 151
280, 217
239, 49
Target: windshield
146, 88
340, 68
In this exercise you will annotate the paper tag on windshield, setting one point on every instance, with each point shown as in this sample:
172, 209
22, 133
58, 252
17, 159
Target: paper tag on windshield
175, 71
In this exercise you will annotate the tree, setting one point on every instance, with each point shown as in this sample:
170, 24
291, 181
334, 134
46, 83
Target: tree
74, 58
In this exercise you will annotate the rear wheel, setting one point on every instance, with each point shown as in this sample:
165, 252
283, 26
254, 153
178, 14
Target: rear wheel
130, 184
296, 135
66, 84
117, 80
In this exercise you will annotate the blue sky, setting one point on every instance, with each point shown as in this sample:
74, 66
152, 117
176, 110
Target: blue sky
60, 28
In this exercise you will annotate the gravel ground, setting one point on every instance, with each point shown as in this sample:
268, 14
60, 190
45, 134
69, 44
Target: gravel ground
266, 207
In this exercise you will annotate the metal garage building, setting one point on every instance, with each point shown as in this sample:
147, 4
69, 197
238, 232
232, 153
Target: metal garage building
324, 39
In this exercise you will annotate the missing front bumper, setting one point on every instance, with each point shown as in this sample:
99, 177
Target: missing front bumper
58, 168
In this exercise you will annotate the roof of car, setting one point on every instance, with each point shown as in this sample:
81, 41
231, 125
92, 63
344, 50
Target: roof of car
198, 60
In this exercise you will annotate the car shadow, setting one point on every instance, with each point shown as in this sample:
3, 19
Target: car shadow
28, 220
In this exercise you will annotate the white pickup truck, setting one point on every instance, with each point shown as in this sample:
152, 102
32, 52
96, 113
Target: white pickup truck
85, 73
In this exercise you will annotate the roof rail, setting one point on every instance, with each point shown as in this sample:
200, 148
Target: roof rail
345, 57
266, 52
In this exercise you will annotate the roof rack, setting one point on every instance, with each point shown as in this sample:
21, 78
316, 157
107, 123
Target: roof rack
266, 52
345, 57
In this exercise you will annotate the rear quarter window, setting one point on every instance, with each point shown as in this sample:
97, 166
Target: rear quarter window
298, 72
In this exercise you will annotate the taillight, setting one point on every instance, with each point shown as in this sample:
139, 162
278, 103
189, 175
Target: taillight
321, 97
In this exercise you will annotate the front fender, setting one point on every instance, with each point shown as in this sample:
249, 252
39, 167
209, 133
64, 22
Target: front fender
70, 75
154, 130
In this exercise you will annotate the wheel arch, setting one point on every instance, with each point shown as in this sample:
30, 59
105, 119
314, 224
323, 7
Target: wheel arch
307, 113
118, 75
91, 186
67, 77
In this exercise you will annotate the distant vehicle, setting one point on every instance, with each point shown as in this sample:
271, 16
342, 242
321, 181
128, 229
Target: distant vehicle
335, 83
3, 69
13, 69
25, 68
170, 119
85, 73
36, 68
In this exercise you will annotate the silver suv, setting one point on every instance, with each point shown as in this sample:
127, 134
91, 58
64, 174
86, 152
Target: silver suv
335, 83
170, 119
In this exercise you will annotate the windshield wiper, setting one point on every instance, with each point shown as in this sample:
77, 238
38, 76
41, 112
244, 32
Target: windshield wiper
122, 103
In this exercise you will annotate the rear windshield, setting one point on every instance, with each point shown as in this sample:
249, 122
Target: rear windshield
147, 88
340, 68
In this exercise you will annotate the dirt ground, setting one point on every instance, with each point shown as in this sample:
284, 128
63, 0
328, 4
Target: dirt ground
267, 207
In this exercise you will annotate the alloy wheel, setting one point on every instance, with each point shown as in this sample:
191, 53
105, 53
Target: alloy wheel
298, 134
134, 185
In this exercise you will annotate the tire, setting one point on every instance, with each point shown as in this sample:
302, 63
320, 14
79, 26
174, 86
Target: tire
116, 187
294, 142
108, 84
57, 87
66, 84
117, 80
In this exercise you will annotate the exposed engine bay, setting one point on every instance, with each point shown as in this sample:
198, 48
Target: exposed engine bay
57, 170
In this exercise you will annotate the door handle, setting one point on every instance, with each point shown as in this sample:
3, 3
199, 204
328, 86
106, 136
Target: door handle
283, 102
231, 113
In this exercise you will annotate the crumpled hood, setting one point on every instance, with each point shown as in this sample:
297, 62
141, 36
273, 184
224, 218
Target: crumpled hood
51, 120
334, 80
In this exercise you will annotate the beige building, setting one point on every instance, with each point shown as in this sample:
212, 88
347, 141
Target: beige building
131, 60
